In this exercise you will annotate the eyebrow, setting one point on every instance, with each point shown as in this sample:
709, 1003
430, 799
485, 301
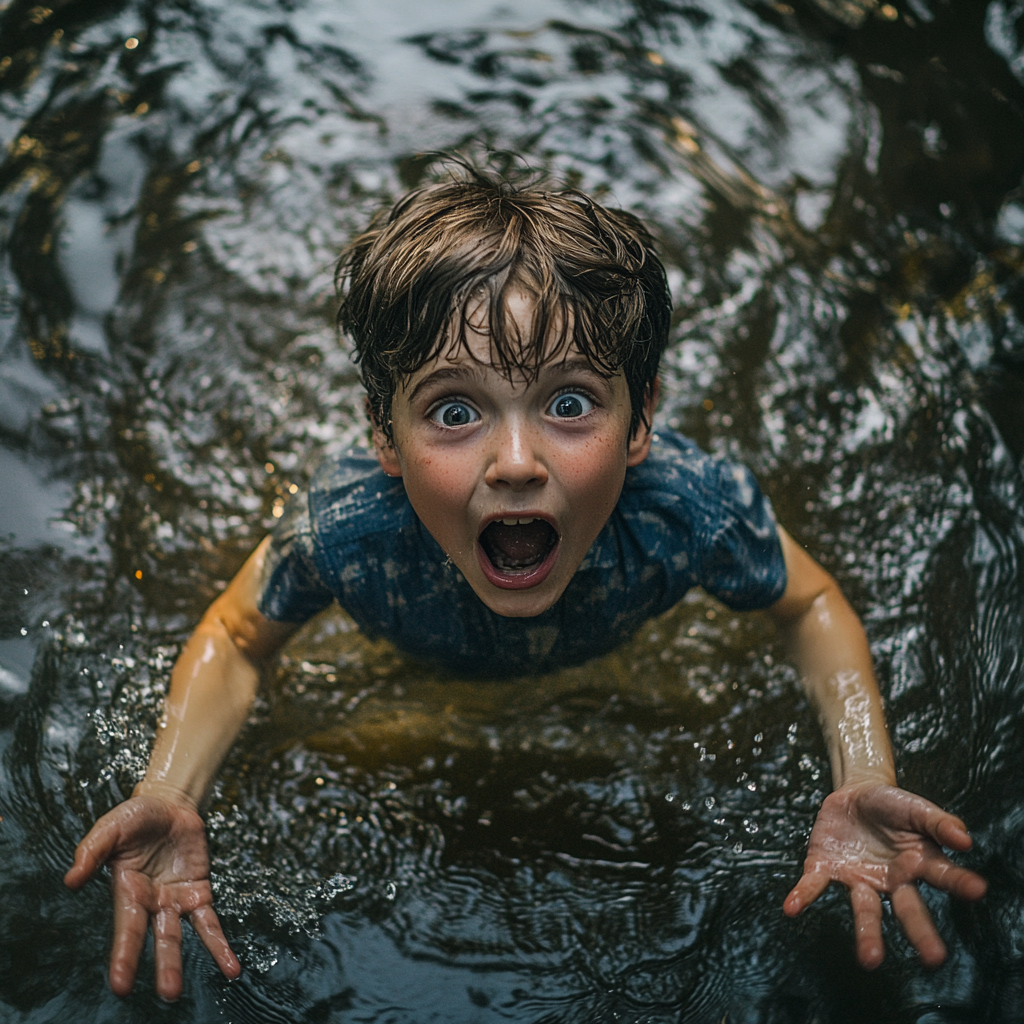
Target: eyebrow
443, 374
577, 364
448, 374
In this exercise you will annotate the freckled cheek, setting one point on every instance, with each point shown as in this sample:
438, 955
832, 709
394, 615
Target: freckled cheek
440, 483
593, 470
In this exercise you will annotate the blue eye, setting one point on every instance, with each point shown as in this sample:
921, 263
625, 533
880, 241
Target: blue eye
570, 405
454, 414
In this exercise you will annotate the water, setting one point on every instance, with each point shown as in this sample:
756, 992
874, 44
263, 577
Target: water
839, 196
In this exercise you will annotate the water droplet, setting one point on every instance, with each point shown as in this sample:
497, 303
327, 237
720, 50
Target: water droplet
24, 631
752, 785
390, 891
670, 797
709, 802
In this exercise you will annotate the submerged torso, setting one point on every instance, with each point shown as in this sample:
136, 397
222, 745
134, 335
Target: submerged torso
683, 519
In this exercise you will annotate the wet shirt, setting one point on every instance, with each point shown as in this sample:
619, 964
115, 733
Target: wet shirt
683, 519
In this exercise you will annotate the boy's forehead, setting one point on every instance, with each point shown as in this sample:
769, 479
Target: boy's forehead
471, 348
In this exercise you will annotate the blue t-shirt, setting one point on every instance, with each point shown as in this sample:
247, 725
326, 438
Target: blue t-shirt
683, 519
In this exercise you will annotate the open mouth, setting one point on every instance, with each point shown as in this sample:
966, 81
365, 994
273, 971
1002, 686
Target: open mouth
517, 553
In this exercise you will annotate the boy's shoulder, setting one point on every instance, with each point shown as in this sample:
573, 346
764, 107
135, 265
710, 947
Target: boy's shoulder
350, 498
678, 474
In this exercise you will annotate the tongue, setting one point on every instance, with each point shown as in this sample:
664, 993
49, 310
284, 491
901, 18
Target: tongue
516, 547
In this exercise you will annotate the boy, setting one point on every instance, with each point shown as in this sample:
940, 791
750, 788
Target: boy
519, 514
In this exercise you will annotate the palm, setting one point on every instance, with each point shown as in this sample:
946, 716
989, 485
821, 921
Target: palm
879, 839
156, 851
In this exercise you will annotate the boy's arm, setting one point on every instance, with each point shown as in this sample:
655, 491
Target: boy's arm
154, 843
869, 835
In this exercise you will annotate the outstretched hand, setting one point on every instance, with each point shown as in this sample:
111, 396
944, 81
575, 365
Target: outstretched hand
875, 838
156, 850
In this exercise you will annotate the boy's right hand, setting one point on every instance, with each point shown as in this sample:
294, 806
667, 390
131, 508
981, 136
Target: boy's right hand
155, 846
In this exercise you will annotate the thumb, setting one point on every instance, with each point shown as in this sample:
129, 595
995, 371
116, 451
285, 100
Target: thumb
92, 852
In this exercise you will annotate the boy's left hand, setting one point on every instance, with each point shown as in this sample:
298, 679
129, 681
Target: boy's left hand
875, 838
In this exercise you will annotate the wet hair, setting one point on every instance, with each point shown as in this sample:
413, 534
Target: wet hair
410, 283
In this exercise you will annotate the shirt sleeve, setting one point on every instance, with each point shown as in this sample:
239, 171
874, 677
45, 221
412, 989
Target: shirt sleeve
291, 589
740, 560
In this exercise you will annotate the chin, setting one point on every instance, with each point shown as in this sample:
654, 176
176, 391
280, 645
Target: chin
518, 604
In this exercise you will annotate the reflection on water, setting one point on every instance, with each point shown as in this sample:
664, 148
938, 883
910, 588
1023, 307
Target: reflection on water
837, 186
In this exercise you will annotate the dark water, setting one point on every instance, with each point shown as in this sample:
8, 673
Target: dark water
838, 190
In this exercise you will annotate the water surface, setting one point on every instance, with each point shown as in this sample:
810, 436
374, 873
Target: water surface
837, 188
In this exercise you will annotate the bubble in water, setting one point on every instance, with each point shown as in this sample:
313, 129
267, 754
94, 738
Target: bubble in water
709, 802
390, 890
258, 956
337, 884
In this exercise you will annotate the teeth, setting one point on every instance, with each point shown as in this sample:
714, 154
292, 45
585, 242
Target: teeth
518, 522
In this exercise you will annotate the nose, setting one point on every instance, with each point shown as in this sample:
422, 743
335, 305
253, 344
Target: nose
516, 460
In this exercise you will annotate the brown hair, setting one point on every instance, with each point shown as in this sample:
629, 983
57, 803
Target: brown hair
407, 284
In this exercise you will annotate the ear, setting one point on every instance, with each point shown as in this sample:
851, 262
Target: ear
387, 453
640, 444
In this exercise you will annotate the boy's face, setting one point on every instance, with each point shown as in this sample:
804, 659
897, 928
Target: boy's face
514, 480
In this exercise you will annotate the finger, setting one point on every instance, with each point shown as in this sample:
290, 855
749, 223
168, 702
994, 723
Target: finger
167, 949
207, 926
917, 925
945, 828
130, 920
867, 925
957, 881
92, 852
806, 891
952, 832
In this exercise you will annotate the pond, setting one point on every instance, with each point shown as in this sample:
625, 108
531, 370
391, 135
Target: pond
837, 188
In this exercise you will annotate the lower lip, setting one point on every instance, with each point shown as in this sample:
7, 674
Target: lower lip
519, 580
